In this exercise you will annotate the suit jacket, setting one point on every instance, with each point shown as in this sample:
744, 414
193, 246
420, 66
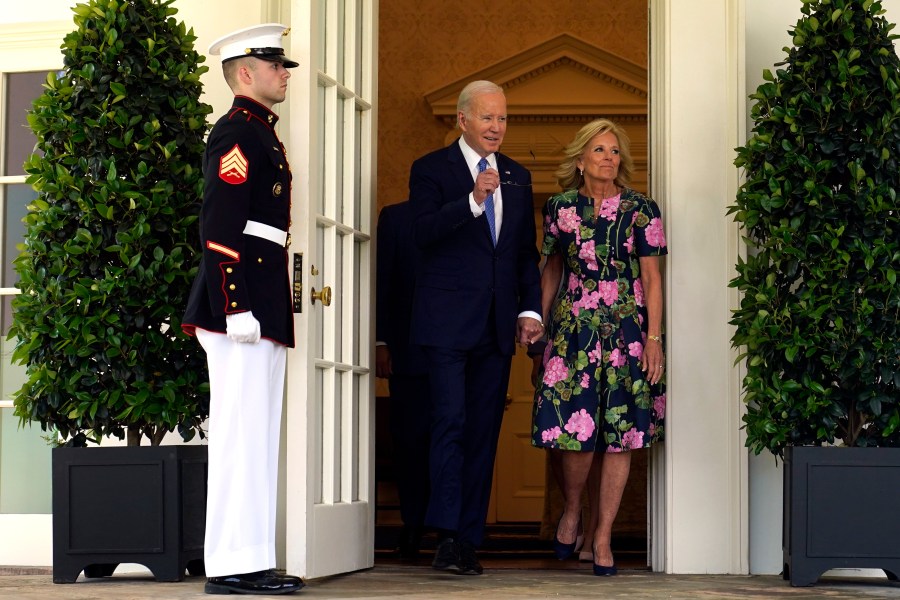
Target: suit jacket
462, 274
396, 265
246, 178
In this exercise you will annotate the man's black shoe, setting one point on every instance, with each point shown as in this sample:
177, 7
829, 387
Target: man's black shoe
446, 556
410, 541
468, 561
259, 583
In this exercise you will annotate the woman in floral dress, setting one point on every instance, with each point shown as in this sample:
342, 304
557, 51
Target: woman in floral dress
602, 388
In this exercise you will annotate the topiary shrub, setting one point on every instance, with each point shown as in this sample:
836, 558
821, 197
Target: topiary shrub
111, 244
819, 319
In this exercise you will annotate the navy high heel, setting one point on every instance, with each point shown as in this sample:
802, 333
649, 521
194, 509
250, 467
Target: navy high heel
601, 571
564, 551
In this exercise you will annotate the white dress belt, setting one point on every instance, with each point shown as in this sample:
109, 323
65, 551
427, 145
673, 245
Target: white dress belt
267, 232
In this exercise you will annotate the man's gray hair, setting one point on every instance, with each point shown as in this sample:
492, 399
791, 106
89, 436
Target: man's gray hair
470, 92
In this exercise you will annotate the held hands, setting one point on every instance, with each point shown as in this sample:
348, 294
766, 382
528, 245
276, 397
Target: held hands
242, 327
485, 184
653, 363
529, 330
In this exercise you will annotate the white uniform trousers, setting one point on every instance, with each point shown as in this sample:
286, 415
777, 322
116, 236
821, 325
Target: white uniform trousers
246, 393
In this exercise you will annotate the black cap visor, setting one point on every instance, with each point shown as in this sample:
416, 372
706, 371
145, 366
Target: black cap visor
269, 54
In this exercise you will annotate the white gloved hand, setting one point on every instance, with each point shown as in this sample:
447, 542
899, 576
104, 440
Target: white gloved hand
242, 327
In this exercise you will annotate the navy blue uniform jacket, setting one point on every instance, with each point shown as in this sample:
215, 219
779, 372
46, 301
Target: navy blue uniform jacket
246, 178
461, 273
396, 266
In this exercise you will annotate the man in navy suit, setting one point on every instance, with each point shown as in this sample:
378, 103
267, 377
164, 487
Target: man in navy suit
405, 368
477, 293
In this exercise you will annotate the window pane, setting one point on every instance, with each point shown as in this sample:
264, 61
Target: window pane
24, 464
18, 140
17, 198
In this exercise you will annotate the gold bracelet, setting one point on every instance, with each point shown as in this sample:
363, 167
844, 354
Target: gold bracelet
655, 338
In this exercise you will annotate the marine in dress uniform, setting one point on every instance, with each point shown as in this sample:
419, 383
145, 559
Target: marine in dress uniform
240, 311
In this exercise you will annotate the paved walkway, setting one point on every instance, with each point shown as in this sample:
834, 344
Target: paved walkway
421, 582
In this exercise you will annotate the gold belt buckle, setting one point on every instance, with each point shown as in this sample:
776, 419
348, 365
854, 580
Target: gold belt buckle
287, 243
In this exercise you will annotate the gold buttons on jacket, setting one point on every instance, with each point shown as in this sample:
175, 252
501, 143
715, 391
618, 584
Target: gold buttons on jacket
232, 286
234, 305
228, 270
259, 260
276, 189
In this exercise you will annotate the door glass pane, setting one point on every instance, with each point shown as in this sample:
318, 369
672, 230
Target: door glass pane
358, 306
322, 36
351, 431
339, 162
337, 297
338, 435
315, 281
338, 27
319, 201
357, 179
318, 430
359, 48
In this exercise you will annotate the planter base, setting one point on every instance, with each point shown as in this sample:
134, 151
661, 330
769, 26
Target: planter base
840, 511
144, 505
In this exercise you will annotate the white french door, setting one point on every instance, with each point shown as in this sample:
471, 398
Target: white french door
330, 389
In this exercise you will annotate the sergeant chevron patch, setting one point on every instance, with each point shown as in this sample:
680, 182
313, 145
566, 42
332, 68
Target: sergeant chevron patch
233, 166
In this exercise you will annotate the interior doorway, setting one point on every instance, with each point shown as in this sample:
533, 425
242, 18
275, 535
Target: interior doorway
559, 71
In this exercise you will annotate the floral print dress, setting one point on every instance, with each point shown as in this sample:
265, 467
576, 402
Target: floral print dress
593, 395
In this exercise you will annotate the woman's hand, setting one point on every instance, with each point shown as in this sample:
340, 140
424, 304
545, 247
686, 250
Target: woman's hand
653, 361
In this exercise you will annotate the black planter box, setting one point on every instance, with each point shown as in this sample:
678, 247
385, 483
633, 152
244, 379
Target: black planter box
134, 504
840, 511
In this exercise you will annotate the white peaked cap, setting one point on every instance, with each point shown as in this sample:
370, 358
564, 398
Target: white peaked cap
261, 41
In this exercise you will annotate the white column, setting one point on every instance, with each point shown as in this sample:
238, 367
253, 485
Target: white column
696, 120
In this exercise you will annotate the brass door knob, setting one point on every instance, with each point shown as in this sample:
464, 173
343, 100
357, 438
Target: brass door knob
323, 296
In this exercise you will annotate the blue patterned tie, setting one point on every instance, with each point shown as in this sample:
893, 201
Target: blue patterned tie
489, 205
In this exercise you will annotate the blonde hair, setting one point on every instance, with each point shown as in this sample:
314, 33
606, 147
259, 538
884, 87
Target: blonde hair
470, 92
567, 174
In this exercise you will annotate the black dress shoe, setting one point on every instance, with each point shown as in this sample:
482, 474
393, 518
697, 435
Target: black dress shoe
446, 556
259, 583
468, 561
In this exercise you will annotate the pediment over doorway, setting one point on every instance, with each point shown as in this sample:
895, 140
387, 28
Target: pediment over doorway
563, 76
552, 89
